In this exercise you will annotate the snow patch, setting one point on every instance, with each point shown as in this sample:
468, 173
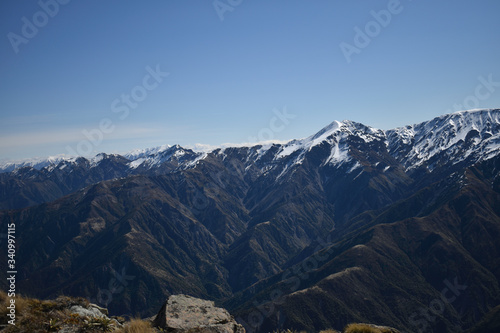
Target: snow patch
135, 164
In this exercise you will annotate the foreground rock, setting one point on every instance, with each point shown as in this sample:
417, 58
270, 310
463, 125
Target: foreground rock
182, 313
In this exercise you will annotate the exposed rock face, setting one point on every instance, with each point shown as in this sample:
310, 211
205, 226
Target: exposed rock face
181, 313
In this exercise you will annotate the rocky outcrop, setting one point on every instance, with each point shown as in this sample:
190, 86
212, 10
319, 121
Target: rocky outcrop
182, 314
92, 311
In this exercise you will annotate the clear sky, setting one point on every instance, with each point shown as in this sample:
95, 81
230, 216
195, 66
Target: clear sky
110, 76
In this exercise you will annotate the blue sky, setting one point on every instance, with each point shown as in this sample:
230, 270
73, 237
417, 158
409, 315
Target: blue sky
244, 71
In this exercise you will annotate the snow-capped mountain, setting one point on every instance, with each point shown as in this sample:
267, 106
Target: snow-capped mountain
471, 136
37, 163
335, 135
457, 139
451, 138
448, 139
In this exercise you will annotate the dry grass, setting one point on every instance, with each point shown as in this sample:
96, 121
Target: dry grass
137, 326
364, 328
21, 306
33, 315
329, 331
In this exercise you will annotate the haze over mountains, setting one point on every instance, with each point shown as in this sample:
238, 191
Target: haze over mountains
352, 224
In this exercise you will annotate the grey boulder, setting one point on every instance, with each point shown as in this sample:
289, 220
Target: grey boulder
182, 314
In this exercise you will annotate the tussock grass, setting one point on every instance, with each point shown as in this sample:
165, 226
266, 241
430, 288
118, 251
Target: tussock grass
33, 315
137, 326
365, 328
21, 305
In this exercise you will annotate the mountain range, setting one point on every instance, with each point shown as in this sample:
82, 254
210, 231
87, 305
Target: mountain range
352, 224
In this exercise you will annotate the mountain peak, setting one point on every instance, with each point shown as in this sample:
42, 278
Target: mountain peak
451, 137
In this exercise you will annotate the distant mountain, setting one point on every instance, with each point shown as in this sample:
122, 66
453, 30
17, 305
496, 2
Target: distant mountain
352, 224
461, 138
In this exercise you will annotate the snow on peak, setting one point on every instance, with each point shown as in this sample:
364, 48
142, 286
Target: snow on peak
94, 161
325, 132
456, 135
37, 163
156, 156
335, 134
311, 141
140, 153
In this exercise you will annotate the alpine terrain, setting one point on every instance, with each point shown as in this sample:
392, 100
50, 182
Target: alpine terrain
352, 224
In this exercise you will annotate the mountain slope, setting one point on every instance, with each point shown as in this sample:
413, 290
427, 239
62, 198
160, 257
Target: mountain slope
394, 269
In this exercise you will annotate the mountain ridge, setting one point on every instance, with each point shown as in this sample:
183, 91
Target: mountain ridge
404, 133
